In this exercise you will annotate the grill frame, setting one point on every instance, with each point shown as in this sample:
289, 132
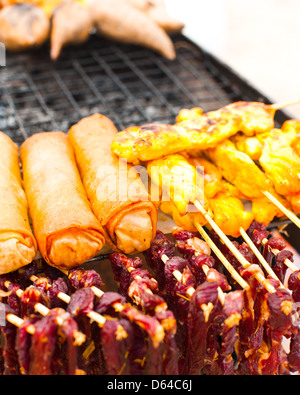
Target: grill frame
129, 84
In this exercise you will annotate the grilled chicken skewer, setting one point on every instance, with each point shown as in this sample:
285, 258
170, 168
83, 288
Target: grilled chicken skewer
204, 131
177, 177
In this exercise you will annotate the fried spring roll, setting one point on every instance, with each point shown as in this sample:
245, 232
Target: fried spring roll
17, 243
117, 195
67, 232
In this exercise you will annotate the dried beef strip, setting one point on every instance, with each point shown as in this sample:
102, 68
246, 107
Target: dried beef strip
203, 307
117, 337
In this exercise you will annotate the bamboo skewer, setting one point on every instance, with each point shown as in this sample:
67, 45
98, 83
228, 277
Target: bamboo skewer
259, 256
93, 315
190, 291
281, 207
118, 306
235, 275
287, 262
243, 261
18, 322
44, 311
281, 106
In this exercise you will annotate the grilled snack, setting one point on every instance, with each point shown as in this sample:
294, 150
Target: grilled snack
23, 26
118, 20
118, 197
17, 243
155, 141
72, 23
67, 232
281, 163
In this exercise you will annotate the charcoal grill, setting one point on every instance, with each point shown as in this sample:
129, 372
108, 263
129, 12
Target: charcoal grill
128, 84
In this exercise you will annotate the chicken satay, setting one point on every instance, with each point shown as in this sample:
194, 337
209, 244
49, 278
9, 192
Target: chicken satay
280, 163
118, 20
265, 211
225, 199
72, 23
230, 214
251, 146
153, 141
23, 26
186, 114
157, 11
210, 172
293, 126
186, 221
240, 170
257, 117
178, 182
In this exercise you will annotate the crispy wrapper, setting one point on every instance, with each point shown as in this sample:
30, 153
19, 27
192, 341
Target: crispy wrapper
67, 232
118, 197
17, 243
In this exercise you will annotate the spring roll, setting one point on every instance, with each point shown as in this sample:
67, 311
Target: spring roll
67, 232
118, 197
17, 243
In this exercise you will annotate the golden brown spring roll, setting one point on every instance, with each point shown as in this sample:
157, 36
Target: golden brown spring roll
17, 243
117, 195
67, 232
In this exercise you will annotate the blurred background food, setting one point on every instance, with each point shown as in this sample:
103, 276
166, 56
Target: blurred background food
25, 24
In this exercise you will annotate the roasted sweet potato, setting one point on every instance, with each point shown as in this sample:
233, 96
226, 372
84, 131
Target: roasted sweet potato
23, 26
71, 24
120, 21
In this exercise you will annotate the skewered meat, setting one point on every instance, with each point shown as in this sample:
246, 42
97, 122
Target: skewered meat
230, 214
118, 20
23, 343
281, 164
294, 285
238, 169
160, 246
155, 141
23, 26
212, 175
224, 198
117, 340
203, 306
44, 344
251, 146
256, 117
80, 278
178, 182
71, 24
11, 365
142, 288
232, 309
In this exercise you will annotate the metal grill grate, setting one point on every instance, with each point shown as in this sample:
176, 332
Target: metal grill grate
129, 84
